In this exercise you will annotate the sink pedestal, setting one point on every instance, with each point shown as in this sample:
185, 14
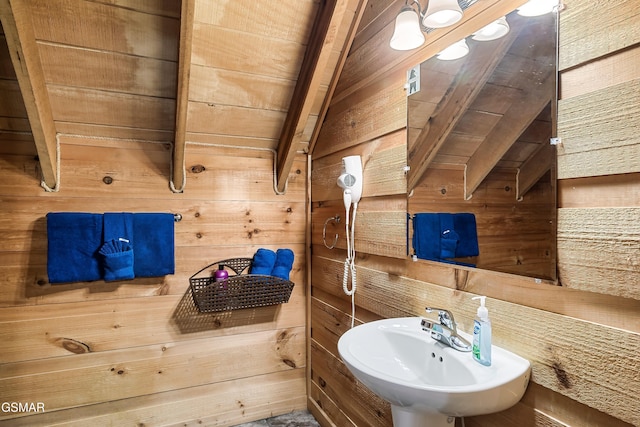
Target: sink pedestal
407, 417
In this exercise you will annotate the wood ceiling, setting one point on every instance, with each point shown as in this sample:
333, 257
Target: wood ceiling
250, 74
226, 72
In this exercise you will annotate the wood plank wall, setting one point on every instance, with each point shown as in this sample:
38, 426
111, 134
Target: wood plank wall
138, 352
581, 337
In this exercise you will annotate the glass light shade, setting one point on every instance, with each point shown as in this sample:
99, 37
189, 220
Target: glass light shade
455, 51
537, 7
407, 34
495, 30
442, 13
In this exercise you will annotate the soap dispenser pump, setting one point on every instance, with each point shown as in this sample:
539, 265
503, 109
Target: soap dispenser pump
482, 334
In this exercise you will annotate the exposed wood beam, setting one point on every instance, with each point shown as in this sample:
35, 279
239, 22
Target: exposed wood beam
182, 96
18, 29
344, 53
534, 168
478, 67
323, 37
514, 122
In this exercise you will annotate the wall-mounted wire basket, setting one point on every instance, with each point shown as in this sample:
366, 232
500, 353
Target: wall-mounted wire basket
237, 291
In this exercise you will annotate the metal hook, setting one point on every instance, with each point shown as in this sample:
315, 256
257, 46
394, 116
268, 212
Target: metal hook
335, 219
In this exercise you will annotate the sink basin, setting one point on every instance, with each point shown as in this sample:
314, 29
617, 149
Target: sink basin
426, 382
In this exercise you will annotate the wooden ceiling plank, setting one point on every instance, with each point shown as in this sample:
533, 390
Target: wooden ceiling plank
178, 177
467, 84
19, 32
323, 37
359, 11
514, 122
534, 168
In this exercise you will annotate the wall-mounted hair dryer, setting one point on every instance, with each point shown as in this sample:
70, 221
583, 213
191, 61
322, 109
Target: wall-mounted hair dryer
350, 180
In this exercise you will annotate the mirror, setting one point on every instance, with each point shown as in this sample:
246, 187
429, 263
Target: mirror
479, 131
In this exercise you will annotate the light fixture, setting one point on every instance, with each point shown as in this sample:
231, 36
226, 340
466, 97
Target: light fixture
412, 21
455, 51
407, 34
495, 30
441, 13
537, 7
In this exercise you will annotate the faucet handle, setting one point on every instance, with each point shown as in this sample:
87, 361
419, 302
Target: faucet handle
444, 316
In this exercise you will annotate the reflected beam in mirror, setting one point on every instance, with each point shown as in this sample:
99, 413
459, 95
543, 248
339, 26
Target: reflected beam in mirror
477, 69
534, 169
514, 122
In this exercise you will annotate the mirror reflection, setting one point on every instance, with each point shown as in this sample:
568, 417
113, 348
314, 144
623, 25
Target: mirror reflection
481, 184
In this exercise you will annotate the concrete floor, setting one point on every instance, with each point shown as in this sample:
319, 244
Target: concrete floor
292, 419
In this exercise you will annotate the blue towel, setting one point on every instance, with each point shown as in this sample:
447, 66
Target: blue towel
283, 264
75, 240
263, 262
117, 251
153, 244
117, 260
438, 236
72, 247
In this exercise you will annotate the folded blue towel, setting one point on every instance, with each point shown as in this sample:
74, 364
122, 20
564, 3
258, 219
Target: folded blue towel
72, 247
283, 264
263, 262
75, 239
153, 244
465, 225
117, 225
117, 260
437, 236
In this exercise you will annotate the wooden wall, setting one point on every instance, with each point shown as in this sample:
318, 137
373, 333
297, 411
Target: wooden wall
137, 352
581, 337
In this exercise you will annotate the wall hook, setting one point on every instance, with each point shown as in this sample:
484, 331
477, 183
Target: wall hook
335, 219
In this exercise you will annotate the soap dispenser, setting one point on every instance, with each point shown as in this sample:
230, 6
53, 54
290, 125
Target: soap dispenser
482, 334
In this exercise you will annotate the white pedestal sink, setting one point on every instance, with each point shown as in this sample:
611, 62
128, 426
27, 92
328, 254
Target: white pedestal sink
427, 383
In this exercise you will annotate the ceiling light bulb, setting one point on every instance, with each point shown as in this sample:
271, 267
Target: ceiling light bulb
442, 13
455, 51
495, 30
537, 7
407, 34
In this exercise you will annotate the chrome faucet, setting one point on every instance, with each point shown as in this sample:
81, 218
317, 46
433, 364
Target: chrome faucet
445, 329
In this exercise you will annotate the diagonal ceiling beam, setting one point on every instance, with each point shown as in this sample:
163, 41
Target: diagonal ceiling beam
182, 97
323, 37
478, 67
534, 168
359, 8
514, 122
20, 36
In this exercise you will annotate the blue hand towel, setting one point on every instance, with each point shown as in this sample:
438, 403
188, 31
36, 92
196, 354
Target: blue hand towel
283, 264
437, 236
153, 244
465, 225
73, 242
117, 260
263, 261
426, 236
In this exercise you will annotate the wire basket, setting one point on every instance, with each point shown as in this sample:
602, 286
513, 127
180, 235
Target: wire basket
238, 291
